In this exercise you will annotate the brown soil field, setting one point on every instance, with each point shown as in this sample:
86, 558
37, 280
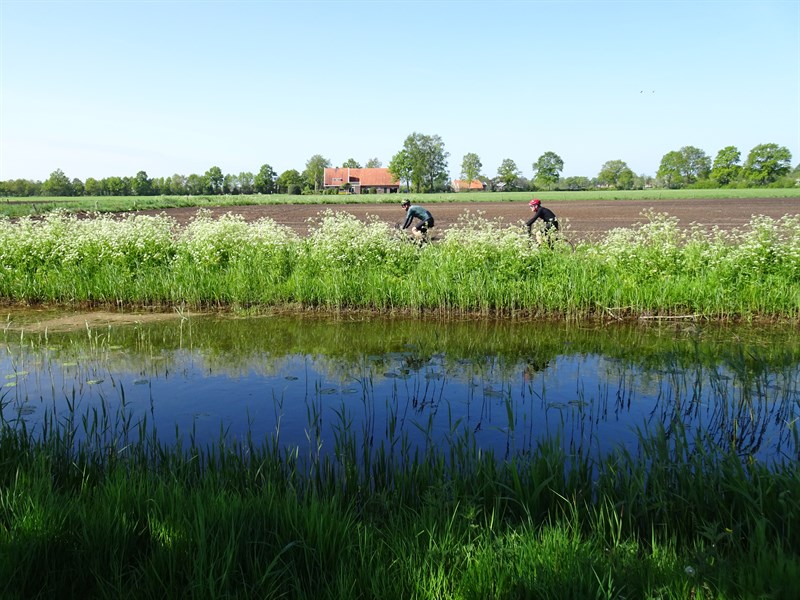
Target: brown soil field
584, 219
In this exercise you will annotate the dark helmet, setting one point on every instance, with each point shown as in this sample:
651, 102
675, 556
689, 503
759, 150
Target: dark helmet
535, 202
406, 202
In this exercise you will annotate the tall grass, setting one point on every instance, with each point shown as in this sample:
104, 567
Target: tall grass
653, 268
94, 505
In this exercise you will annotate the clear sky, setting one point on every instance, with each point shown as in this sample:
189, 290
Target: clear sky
103, 88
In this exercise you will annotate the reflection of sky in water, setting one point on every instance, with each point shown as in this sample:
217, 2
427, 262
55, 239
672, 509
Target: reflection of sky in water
594, 401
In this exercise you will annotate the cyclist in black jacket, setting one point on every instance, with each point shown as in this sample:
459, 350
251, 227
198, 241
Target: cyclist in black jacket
545, 214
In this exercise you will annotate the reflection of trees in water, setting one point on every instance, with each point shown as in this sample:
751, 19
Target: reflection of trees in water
739, 384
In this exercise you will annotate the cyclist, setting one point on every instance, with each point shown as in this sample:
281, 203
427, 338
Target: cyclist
413, 211
545, 214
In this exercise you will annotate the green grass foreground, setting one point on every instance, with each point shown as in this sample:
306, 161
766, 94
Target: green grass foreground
97, 507
479, 267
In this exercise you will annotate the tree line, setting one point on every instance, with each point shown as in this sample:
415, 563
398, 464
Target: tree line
421, 166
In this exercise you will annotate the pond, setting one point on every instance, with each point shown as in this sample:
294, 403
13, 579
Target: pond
302, 381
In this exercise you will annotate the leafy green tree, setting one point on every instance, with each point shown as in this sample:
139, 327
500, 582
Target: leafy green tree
214, 180
617, 174
78, 189
400, 168
20, 188
93, 187
290, 182
264, 181
697, 165
230, 184
246, 182
178, 184
351, 163
669, 171
57, 184
575, 183
470, 168
374, 163
315, 171
428, 160
766, 163
141, 185
508, 174
547, 169
726, 168
684, 166
195, 184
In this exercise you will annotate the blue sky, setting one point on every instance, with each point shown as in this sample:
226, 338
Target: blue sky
108, 88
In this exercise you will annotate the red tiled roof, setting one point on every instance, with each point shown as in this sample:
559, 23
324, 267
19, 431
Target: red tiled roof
461, 184
379, 177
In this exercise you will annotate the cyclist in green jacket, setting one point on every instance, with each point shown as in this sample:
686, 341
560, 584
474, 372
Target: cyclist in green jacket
413, 211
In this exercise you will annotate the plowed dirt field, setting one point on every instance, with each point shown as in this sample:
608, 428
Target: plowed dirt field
584, 219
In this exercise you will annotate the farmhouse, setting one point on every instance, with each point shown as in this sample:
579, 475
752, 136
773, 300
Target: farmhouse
462, 185
361, 181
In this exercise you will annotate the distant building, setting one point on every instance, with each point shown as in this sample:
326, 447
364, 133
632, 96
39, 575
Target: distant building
462, 185
360, 181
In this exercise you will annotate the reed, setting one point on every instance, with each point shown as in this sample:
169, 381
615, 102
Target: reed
93, 503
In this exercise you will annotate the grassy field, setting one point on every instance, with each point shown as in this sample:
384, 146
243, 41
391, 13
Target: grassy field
16, 207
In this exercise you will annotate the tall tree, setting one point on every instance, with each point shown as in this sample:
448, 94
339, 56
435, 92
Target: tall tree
684, 166
264, 181
290, 182
697, 165
315, 171
178, 184
669, 171
374, 163
470, 168
766, 163
213, 180
617, 174
141, 184
508, 173
547, 169
77, 187
400, 168
57, 184
428, 160
351, 163
246, 182
726, 168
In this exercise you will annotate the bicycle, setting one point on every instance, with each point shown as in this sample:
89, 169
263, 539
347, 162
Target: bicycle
555, 240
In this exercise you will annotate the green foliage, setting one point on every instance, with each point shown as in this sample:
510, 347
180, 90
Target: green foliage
423, 162
766, 163
475, 266
508, 173
547, 169
314, 173
471, 167
684, 167
58, 184
617, 174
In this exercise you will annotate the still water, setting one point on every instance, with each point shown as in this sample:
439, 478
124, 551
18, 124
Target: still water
302, 380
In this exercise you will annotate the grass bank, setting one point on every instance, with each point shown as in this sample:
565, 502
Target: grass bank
654, 269
94, 506
18, 207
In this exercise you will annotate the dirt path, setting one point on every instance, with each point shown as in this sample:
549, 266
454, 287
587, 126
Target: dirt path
586, 219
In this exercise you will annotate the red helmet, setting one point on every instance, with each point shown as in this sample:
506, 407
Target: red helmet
535, 202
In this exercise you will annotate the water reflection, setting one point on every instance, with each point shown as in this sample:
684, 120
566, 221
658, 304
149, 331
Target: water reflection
304, 380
